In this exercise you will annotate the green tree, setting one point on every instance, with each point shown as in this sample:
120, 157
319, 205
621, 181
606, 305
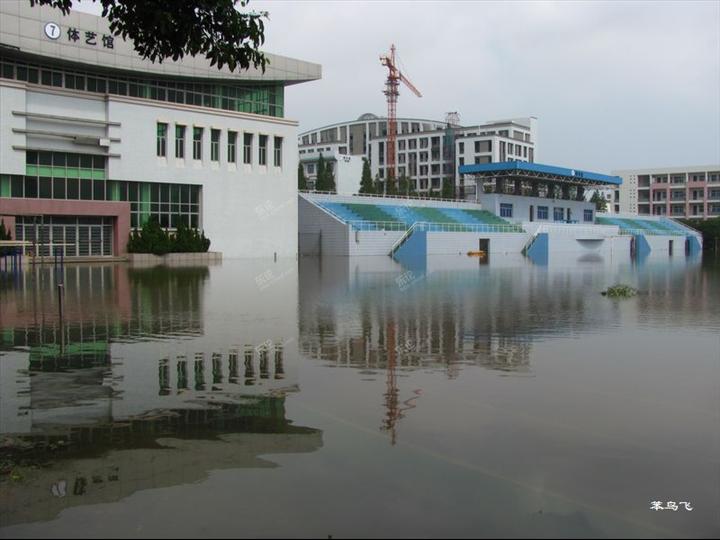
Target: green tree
366, 181
709, 228
160, 29
321, 175
448, 189
4, 235
600, 202
406, 186
302, 181
330, 178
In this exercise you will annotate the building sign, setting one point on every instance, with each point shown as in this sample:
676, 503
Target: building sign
75, 35
52, 30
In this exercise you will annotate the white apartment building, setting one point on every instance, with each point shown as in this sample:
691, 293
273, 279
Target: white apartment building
678, 192
428, 151
95, 141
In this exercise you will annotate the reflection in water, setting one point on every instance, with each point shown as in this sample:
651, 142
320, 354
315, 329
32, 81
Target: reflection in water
518, 401
367, 314
133, 391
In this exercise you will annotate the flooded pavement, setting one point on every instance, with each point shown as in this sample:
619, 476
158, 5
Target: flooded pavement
355, 397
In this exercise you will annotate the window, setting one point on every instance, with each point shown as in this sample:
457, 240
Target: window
215, 145
231, 145
180, 142
161, 146
277, 151
558, 214
506, 210
262, 149
461, 148
588, 215
247, 148
542, 212
197, 142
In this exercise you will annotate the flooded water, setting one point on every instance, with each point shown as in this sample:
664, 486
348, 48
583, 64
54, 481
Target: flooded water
351, 398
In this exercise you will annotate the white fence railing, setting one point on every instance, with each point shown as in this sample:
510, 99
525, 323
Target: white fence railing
572, 229
434, 227
634, 232
418, 197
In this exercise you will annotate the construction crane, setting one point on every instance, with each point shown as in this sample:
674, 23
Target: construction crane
392, 91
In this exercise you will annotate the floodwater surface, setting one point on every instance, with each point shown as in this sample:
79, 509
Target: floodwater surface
356, 397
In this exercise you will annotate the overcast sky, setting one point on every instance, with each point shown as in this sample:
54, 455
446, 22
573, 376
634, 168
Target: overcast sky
613, 84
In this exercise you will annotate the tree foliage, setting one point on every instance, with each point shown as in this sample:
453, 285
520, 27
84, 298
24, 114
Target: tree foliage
366, 181
448, 188
709, 228
321, 175
161, 29
4, 235
406, 186
302, 181
599, 201
152, 238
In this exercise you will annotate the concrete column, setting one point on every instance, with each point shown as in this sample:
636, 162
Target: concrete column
499, 185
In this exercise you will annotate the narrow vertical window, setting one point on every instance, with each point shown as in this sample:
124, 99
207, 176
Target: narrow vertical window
215, 144
247, 148
277, 151
262, 150
231, 146
180, 142
161, 146
197, 142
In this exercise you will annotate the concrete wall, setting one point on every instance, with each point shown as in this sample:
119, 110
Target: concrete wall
457, 243
247, 210
661, 244
12, 98
320, 233
373, 242
521, 206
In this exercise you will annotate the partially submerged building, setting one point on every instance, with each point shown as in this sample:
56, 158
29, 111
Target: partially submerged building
95, 140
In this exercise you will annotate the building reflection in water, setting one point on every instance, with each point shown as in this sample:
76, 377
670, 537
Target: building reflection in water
455, 313
137, 389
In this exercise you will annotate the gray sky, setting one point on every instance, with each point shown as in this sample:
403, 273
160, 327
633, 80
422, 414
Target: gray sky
614, 84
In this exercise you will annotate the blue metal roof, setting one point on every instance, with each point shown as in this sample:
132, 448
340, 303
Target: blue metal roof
520, 166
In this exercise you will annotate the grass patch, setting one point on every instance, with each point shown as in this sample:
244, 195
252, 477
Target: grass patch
620, 291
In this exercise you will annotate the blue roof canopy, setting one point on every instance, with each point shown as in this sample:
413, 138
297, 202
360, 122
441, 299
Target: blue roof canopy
538, 170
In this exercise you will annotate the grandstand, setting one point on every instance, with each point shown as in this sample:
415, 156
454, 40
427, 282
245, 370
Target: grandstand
369, 216
634, 225
537, 210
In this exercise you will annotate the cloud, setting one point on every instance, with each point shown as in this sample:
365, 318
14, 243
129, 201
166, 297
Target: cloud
614, 84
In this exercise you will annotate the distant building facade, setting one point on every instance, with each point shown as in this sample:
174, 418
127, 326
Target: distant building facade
678, 192
428, 151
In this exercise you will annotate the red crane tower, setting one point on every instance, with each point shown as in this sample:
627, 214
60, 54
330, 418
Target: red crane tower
392, 91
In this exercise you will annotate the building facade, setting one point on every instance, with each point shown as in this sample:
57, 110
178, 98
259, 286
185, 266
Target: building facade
678, 192
346, 170
428, 151
95, 140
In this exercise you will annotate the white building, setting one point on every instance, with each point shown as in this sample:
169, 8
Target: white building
95, 140
428, 151
679, 192
346, 170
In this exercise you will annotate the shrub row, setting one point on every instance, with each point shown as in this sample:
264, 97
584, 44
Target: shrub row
152, 238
